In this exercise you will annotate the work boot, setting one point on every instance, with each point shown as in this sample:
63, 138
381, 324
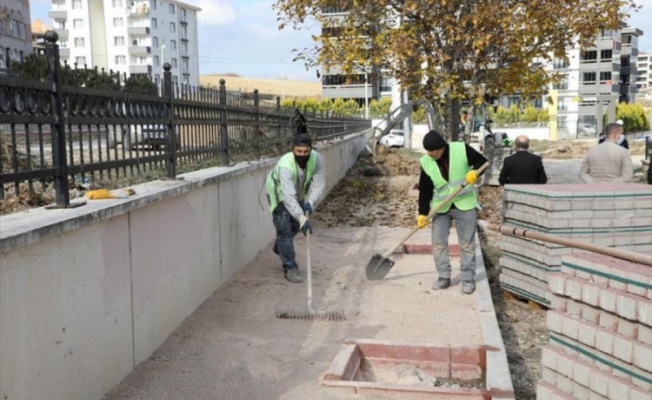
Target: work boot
468, 287
293, 275
442, 283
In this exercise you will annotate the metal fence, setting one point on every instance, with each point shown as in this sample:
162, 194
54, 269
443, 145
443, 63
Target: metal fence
53, 133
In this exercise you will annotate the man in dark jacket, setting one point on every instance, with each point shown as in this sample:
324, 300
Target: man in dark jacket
522, 166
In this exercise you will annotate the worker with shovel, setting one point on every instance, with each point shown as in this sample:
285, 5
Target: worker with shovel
294, 186
444, 169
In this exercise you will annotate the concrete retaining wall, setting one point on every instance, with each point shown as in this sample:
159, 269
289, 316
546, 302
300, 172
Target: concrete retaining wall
88, 293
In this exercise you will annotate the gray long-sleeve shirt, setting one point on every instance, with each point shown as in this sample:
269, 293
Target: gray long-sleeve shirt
292, 193
607, 162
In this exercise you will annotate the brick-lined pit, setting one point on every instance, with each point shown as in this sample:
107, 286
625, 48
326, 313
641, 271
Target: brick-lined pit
465, 363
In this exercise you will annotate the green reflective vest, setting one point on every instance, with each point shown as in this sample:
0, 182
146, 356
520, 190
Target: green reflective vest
458, 167
274, 190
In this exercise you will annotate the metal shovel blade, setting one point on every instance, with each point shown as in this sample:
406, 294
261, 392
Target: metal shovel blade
378, 267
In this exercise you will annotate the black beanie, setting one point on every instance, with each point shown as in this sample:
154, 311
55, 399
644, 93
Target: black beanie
433, 141
302, 140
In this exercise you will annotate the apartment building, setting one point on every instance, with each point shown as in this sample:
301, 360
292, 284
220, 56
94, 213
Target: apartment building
366, 83
15, 35
644, 71
129, 36
594, 80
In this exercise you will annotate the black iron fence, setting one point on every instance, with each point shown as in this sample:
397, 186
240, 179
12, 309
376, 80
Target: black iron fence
61, 134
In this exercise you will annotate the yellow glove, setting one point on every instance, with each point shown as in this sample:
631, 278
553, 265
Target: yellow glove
422, 221
99, 194
471, 177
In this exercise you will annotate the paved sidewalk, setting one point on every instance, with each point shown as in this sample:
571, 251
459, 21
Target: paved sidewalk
234, 347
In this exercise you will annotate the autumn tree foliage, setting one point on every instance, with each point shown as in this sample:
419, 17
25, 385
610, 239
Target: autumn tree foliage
447, 50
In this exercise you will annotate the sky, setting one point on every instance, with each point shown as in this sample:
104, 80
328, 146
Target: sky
242, 37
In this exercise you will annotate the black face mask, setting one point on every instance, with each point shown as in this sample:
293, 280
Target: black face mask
301, 161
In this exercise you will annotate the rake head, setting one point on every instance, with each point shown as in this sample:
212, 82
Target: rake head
316, 315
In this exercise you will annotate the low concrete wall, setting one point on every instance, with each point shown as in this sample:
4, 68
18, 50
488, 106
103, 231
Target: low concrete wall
88, 293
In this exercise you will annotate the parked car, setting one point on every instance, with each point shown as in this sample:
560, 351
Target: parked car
584, 129
395, 138
152, 137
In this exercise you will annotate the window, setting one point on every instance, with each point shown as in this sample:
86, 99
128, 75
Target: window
184, 32
173, 27
77, 23
119, 40
79, 42
559, 63
589, 56
562, 122
117, 22
174, 63
184, 49
172, 10
562, 104
154, 23
183, 14
173, 44
157, 61
152, 4
76, 4
588, 78
120, 60
80, 61
605, 77
154, 41
606, 55
184, 67
562, 85
117, 3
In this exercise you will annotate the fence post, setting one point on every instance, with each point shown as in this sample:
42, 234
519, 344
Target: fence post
59, 158
169, 114
224, 131
257, 132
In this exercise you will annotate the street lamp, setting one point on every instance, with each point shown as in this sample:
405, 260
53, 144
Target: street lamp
366, 95
283, 83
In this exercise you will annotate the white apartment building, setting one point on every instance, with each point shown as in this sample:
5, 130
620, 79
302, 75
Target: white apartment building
644, 71
129, 36
595, 79
15, 34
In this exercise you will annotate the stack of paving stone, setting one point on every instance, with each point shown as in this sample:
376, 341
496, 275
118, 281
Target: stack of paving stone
495, 155
600, 331
610, 215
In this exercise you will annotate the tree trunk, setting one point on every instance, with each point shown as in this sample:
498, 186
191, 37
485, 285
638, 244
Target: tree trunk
452, 118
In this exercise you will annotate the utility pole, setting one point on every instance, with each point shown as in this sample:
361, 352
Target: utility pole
366, 94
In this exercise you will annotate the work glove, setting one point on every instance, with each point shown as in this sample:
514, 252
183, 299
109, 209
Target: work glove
99, 194
471, 177
422, 221
307, 207
304, 225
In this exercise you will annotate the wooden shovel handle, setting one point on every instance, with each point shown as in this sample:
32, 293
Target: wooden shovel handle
609, 251
434, 211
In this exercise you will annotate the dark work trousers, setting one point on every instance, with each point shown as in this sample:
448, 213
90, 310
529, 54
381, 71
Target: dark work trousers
286, 228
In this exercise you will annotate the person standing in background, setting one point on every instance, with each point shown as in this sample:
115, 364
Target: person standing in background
522, 166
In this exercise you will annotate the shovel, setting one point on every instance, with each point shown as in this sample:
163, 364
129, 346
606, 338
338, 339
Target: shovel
379, 265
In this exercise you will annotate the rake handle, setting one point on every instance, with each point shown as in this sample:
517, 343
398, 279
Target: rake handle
609, 251
434, 211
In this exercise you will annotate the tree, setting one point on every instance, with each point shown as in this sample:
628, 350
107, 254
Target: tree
447, 50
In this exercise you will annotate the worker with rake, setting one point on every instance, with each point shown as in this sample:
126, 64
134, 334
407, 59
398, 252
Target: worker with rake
294, 187
444, 169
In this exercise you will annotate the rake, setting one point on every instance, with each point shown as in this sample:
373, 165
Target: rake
310, 314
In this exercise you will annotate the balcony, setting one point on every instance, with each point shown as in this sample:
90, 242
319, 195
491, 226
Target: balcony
140, 50
63, 33
140, 69
138, 30
138, 11
58, 14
